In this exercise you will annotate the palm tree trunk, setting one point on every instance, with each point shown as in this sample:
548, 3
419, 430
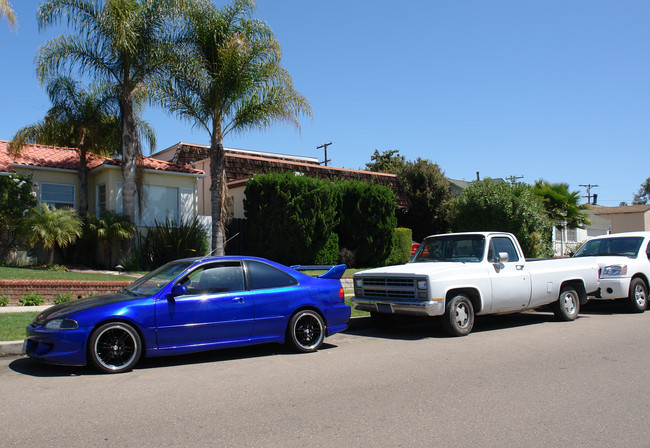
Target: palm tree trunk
217, 193
83, 183
129, 160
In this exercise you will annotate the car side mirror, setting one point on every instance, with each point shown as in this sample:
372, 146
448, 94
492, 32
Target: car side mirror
503, 257
178, 290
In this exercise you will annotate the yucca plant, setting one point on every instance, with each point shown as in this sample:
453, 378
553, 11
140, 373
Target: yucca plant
51, 227
109, 227
168, 241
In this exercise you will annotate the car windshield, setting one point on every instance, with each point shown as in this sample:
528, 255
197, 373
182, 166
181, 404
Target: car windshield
621, 246
457, 248
156, 280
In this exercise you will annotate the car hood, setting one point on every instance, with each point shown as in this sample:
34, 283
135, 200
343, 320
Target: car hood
64, 309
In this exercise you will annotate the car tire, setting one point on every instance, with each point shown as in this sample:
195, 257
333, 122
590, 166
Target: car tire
567, 306
458, 319
638, 296
306, 331
114, 347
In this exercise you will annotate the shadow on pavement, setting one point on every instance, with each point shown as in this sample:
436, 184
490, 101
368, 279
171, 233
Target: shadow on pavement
413, 328
27, 366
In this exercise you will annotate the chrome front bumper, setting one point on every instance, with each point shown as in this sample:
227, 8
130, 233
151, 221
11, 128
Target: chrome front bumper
413, 308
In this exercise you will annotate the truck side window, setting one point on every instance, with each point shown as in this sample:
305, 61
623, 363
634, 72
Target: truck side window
503, 244
647, 251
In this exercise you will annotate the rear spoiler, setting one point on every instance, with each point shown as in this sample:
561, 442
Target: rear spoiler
333, 272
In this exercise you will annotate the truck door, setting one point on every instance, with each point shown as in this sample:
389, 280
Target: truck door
511, 285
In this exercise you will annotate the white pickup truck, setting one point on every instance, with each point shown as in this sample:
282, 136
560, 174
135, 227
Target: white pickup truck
624, 260
459, 275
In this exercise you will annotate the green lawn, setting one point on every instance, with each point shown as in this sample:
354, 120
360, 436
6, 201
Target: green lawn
40, 274
12, 325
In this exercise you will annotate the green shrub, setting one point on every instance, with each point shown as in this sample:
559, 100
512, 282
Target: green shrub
329, 253
62, 298
289, 218
401, 247
31, 299
4, 300
367, 221
169, 241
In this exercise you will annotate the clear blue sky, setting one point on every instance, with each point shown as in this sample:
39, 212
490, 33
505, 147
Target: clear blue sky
552, 89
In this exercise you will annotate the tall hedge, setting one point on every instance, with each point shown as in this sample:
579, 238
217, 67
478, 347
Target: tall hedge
367, 221
289, 218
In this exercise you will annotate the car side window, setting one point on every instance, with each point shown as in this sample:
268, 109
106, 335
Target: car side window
503, 244
647, 251
265, 276
215, 279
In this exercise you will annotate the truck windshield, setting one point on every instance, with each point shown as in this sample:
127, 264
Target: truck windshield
622, 246
457, 248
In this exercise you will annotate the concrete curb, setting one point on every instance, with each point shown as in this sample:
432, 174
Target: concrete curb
14, 348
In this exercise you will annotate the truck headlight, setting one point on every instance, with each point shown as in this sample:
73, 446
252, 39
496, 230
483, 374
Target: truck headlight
422, 284
615, 270
358, 282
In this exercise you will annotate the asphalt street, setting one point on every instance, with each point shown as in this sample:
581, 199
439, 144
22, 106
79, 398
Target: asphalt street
523, 380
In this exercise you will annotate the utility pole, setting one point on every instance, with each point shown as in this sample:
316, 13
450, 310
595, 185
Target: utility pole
513, 179
589, 187
324, 146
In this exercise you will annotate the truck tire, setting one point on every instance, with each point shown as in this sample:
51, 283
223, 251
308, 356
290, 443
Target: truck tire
567, 306
458, 319
637, 300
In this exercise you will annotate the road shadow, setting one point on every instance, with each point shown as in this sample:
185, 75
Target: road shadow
605, 307
415, 328
29, 367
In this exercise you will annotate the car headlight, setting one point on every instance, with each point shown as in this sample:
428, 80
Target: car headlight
358, 282
422, 284
62, 324
615, 270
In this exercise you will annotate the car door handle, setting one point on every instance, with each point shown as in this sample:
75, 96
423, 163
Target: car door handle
519, 267
238, 300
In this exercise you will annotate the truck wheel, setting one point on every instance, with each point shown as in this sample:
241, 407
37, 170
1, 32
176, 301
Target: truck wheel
459, 316
382, 320
638, 296
567, 306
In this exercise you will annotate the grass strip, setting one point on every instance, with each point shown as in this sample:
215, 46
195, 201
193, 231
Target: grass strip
12, 325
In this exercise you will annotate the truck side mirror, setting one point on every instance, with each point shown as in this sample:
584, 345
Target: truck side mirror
503, 257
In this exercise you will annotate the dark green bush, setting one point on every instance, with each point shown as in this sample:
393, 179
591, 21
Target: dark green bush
62, 298
367, 221
4, 300
31, 299
169, 241
401, 247
289, 218
329, 253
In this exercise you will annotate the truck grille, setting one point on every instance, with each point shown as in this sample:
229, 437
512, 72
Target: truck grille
387, 288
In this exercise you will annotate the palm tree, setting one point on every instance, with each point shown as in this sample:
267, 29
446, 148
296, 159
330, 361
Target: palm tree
51, 227
231, 81
121, 42
82, 119
562, 205
110, 227
6, 10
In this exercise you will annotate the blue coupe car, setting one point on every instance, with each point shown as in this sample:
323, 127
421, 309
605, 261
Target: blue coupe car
192, 305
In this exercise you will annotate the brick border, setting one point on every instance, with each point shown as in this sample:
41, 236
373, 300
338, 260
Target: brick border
15, 289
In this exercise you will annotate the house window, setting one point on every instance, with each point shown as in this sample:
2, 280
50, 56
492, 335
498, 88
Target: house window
160, 203
58, 195
101, 199
572, 235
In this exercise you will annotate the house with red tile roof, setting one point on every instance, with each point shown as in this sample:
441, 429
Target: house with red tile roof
170, 190
241, 164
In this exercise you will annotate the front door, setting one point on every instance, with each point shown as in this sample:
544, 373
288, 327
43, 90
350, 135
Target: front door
216, 308
511, 285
